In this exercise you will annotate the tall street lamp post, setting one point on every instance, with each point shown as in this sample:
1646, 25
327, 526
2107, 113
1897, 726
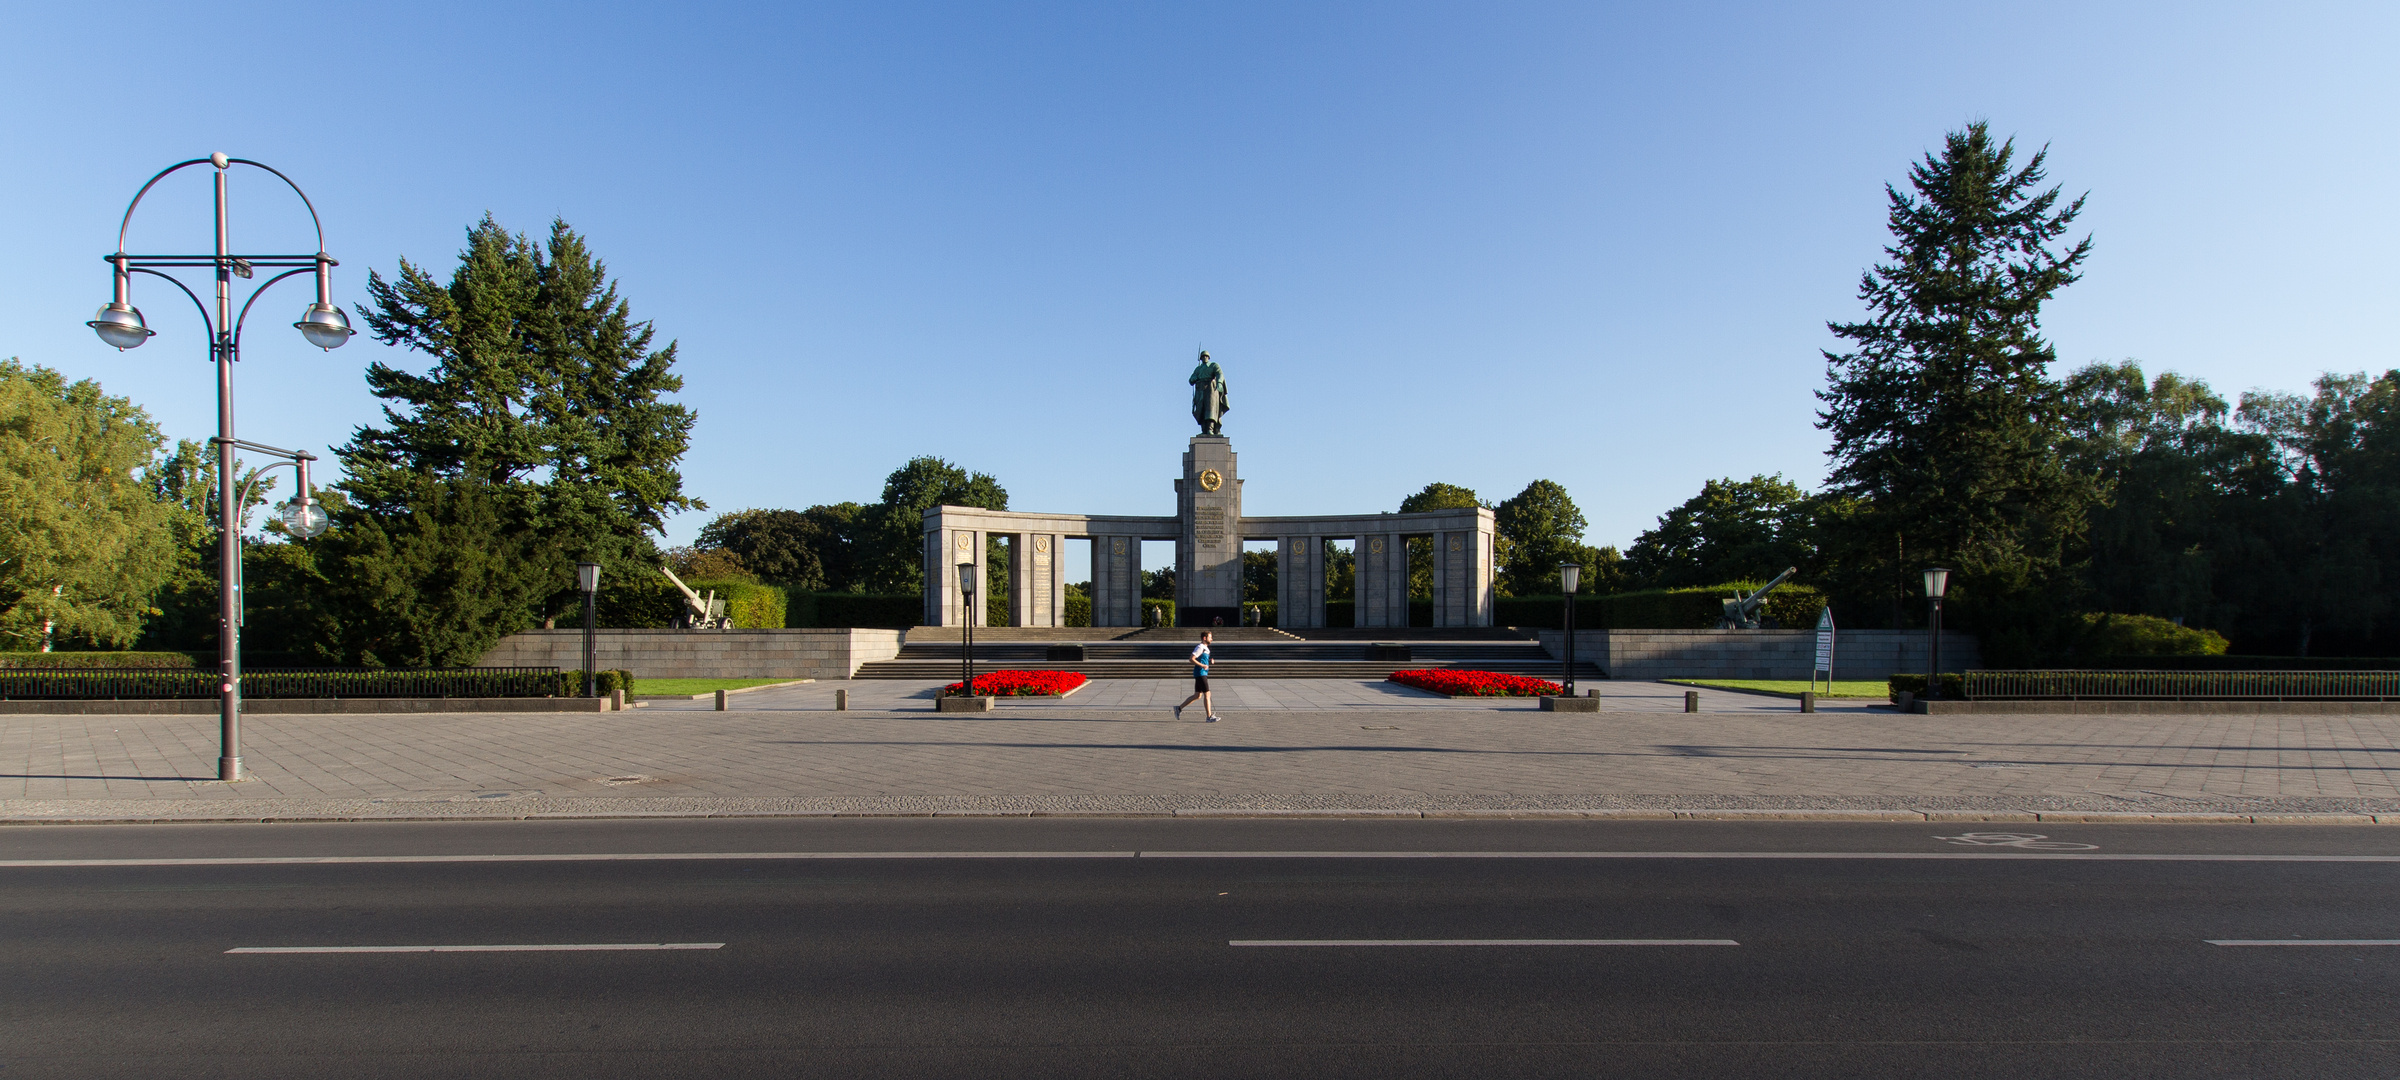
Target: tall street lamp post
1569, 576
587, 578
120, 324
966, 652
1937, 582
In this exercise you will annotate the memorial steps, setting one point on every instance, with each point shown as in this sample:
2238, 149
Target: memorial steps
1257, 653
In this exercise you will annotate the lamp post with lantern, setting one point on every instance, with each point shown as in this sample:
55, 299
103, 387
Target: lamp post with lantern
1937, 582
120, 324
966, 652
1569, 576
587, 578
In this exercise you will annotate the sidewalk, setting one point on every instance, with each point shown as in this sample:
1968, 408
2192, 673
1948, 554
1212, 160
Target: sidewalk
1292, 745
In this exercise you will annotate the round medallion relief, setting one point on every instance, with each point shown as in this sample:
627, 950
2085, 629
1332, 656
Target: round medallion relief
1211, 480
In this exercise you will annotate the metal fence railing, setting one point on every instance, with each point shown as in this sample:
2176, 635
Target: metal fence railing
2184, 685
134, 684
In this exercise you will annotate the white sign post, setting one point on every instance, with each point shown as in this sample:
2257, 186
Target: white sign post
1824, 651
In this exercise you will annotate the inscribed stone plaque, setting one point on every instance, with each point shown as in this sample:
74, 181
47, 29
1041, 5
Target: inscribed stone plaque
1208, 525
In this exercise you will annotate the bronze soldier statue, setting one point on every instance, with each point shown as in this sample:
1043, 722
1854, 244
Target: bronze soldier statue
1208, 396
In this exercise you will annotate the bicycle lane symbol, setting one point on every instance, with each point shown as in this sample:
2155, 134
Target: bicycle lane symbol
2021, 841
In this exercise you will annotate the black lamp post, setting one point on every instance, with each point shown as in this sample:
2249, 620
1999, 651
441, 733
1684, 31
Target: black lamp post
323, 325
966, 603
1569, 576
1937, 582
587, 578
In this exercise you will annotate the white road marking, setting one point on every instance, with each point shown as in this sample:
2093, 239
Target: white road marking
2311, 941
1984, 855
1486, 941
280, 949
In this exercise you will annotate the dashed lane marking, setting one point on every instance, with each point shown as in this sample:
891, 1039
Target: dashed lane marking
670, 946
1407, 942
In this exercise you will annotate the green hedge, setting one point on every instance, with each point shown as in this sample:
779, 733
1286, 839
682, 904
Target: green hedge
1954, 686
750, 605
1792, 607
1079, 609
2236, 663
1341, 613
162, 661
169, 684
1158, 612
882, 611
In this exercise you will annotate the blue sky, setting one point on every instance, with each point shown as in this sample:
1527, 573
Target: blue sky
1476, 243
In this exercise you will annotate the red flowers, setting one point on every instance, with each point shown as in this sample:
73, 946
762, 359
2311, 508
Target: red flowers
1020, 684
1476, 683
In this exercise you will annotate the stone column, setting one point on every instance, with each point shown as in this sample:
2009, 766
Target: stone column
1382, 580
1034, 588
945, 549
1462, 578
1208, 554
1116, 581
1300, 582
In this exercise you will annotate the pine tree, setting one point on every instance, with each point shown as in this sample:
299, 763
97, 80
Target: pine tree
540, 434
1946, 425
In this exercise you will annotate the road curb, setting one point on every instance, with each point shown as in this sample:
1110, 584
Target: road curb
2081, 817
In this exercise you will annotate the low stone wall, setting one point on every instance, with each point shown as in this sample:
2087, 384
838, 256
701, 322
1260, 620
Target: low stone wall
816, 653
1759, 654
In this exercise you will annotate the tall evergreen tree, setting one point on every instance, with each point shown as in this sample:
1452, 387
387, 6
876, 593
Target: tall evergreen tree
1946, 425
540, 435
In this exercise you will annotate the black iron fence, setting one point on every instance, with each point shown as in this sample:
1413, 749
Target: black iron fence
126, 684
2184, 685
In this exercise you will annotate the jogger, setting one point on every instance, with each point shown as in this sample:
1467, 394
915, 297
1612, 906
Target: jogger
1200, 661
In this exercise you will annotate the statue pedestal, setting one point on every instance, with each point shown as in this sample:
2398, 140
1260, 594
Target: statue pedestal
1208, 549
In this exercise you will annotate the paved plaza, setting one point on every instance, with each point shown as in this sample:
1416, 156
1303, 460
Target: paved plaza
1115, 748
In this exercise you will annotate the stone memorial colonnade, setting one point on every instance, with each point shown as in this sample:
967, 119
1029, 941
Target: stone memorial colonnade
1209, 530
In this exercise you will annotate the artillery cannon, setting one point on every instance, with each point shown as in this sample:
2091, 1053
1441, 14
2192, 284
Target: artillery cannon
700, 613
1741, 612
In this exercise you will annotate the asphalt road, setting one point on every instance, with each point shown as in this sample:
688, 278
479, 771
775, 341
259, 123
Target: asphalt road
1109, 948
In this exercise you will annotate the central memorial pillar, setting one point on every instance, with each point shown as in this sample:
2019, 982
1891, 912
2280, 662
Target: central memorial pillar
1208, 551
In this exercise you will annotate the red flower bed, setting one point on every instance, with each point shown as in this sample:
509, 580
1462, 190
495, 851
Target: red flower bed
1477, 683
1019, 684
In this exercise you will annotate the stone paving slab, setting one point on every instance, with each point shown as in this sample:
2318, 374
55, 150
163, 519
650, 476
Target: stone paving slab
1352, 748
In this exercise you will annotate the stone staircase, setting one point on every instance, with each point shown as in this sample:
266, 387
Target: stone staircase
1256, 653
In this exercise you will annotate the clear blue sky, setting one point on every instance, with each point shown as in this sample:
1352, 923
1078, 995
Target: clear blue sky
1478, 243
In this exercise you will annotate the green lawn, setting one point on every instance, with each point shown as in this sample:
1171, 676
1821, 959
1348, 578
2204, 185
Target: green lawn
686, 687
1847, 688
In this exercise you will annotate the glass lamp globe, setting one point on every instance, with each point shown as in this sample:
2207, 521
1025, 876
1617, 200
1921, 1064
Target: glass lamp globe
304, 520
121, 326
325, 326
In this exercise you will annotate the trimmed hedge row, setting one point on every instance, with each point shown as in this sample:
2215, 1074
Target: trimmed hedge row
2234, 663
161, 661
88, 684
1954, 685
879, 611
1792, 607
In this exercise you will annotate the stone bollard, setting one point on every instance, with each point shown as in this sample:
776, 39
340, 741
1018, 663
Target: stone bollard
720, 701
616, 700
1808, 701
841, 701
1691, 701
1591, 691
1907, 701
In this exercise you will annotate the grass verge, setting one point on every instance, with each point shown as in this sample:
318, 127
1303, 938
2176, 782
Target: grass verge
1846, 688
688, 687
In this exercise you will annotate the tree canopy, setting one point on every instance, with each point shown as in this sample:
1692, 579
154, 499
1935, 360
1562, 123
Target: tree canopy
84, 539
1734, 530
